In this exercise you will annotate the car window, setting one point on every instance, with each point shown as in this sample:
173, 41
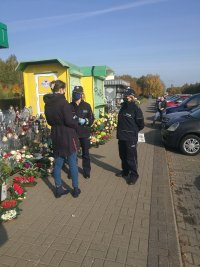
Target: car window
184, 101
196, 114
193, 102
195, 109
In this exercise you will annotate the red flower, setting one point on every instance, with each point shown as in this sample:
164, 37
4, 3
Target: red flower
7, 204
18, 189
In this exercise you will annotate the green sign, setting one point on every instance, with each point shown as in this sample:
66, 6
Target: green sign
3, 36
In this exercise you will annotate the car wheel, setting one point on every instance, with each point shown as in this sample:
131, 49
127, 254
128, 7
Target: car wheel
190, 145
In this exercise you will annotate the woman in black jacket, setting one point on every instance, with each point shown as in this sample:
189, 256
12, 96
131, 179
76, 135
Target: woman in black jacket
63, 134
130, 122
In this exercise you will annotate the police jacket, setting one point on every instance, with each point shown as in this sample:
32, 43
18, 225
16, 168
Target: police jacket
63, 127
130, 122
84, 111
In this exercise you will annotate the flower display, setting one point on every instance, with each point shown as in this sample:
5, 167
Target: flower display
8, 215
8, 204
5, 170
23, 180
102, 129
9, 209
17, 192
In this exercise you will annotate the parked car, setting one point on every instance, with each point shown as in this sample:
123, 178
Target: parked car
169, 118
186, 105
183, 133
176, 100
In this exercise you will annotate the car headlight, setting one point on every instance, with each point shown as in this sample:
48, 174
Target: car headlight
173, 127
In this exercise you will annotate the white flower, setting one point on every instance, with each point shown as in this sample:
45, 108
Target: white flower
18, 157
45, 145
4, 139
13, 152
9, 135
51, 158
15, 136
28, 156
9, 215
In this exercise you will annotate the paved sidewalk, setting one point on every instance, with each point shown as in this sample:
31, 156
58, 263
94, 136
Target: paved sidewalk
111, 224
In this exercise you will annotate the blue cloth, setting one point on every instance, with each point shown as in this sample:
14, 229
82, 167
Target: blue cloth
72, 161
76, 96
81, 121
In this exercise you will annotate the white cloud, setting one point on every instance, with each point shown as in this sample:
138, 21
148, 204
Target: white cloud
46, 22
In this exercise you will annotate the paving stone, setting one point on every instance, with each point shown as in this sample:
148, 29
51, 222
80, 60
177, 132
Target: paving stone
52, 257
7, 260
24, 263
112, 264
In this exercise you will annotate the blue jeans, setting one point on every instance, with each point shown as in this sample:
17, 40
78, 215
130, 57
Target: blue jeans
72, 161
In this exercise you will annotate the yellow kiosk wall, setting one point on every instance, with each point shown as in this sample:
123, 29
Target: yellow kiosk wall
30, 84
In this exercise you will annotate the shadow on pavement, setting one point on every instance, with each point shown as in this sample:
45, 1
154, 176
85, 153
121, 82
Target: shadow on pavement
95, 159
51, 186
3, 235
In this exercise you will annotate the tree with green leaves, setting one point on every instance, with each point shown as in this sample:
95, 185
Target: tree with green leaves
11, 81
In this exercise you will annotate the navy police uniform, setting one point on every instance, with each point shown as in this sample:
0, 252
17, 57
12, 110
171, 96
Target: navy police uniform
130, 122
83, 113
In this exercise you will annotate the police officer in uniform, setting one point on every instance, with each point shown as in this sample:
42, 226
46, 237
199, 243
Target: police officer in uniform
130, 122
83, 113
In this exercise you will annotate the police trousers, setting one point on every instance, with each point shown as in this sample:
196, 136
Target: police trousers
85, 146
128, 156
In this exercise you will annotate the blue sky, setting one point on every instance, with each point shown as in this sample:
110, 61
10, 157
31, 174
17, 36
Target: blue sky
136, 37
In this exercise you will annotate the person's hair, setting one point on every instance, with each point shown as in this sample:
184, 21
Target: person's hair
57, 85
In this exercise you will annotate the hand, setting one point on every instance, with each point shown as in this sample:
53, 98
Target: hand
81, 121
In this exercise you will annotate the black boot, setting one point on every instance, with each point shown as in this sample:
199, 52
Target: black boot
76, 192
131, 180
60, 191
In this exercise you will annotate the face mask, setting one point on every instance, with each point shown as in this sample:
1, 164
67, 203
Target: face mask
76, 96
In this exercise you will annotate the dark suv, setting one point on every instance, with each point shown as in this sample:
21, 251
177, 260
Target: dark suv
186, 105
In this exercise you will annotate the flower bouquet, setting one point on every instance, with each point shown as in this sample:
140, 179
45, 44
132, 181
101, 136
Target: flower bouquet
25, 181
17, 192
30, 169
9, 210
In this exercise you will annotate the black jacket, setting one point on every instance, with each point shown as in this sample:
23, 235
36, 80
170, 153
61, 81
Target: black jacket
63, 127
130, 122
162, 105
84, 111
